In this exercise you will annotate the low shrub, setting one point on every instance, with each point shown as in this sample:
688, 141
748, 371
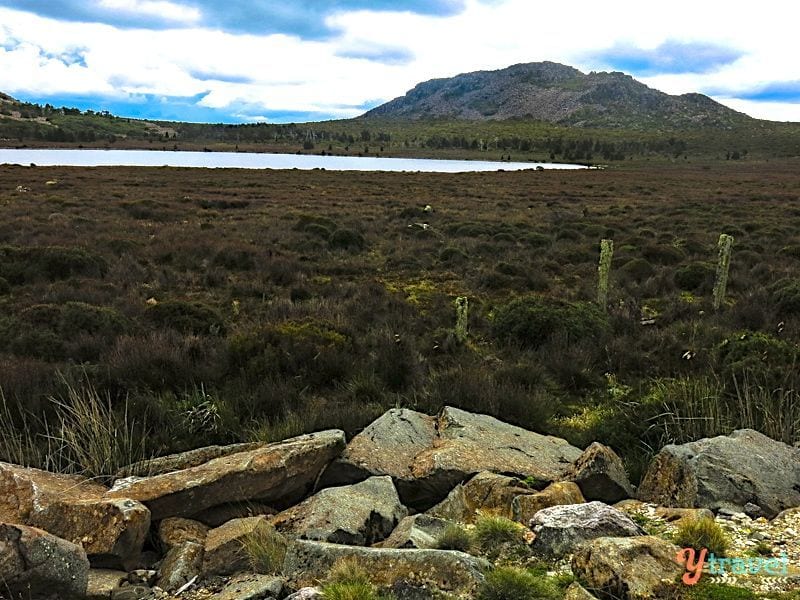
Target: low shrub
25, 264
347, 239
186, 317
694, 276
452, 255
785, 295
637, 269
5, 287
235, 259
532, 320
662, 255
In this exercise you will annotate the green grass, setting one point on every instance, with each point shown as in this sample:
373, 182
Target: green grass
504, 583
702, 533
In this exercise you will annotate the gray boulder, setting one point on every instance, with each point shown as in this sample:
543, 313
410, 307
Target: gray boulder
225, 552
561, 529
444, 570
251, 586
34, 563
635, 568
428, 456
600, 474
182, 563
486, 491
359, 514
279, 474
725, 472
417, 531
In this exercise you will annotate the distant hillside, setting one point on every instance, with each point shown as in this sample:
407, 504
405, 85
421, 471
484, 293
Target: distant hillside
556, 93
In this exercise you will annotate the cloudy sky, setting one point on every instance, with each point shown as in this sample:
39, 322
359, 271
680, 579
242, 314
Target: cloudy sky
296, 60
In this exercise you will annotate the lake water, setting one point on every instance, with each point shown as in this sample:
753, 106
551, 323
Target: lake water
250, 160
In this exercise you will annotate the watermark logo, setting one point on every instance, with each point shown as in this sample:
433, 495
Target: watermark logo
695, 562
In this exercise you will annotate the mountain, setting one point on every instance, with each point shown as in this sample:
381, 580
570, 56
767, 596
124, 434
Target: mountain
556, 93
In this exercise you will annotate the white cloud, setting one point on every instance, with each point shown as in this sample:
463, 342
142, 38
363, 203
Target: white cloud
162, 9
281, 72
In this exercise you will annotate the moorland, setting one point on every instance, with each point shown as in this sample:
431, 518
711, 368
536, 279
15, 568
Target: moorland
215, 306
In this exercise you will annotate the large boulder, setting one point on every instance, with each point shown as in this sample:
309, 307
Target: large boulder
725, 472
600, 474
417, 531
177, 530
183, 460
486, 491
525, 507
279, 474
75, 509
428, 456
34, 564
561, 529
445, 570
387, 446
635, 568
359, 514
225, 550
182, 563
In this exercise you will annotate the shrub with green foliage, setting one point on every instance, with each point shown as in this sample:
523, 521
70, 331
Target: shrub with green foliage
754, 353
785, 295
186, 317
21, 264
347, 239
694, 276
452, 255
702, 533
637, 269
507, 583
532, 320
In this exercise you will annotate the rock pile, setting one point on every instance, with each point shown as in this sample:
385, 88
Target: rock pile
270, 521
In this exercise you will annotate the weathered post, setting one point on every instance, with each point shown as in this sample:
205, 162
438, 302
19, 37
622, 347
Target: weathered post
723, 266
603, 270
462, 318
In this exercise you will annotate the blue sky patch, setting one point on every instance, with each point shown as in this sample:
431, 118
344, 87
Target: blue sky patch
383, 55
671, 57
779, 91
302, 18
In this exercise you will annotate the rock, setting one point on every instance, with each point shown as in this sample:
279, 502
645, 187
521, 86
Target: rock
306, 593
133, 592
671, 514
486, 491
142, 576
387, 446
75, 509
418, 531
577, 592
174, 531
359, 514
560, 529
251, 586
523, 508
725, 472
600, 474
221, 514
102, 582
427, 457
446, 570
280, 474
181, 564
33, 563
635, 568
224, 552
182, 460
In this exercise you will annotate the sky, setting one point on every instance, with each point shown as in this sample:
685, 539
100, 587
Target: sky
237, 61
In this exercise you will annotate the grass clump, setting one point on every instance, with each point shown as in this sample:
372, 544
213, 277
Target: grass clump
454, 537
265, 548
504, 583
495, 535
186, 317
348, 579
702, 533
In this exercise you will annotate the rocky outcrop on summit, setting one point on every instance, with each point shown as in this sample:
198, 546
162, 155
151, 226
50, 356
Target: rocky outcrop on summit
548, 91
726, 472
429, 456
278, 474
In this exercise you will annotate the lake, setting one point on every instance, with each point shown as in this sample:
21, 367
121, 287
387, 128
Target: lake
251, 160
